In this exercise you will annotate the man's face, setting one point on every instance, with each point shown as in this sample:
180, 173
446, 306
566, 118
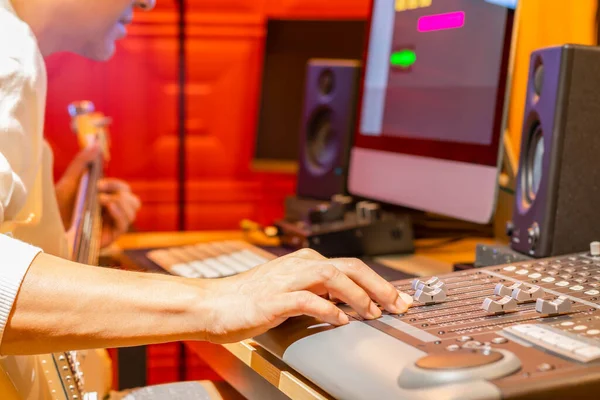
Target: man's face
91, 27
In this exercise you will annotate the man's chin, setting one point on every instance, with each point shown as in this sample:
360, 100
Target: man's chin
99, 53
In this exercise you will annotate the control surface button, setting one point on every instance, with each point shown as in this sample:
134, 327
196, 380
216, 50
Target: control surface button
588, 352
593, 332
453, 347
545, 367
459, 359
472, 345
464, 339
499, 340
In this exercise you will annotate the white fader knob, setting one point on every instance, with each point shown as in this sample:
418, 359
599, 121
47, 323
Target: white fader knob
430, 297
504, 305
418, 284
524, 295
428, 288
595, 249
501, 290
561, 305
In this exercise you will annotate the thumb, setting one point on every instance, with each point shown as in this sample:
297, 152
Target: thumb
81, 161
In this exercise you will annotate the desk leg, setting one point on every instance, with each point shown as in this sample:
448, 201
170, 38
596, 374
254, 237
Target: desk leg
131, 367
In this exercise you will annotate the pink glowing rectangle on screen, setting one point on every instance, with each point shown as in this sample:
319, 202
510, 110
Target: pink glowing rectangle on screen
440, 22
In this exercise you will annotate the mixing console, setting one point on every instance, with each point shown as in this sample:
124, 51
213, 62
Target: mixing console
525, 330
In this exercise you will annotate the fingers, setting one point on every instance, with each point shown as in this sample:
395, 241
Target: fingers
81, 162
122, 208
119, 219
112, 185
307, 303
374, 285
127, 202
314, 274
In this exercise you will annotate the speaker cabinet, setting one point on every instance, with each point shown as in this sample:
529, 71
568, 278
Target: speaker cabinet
328, 123
558, 185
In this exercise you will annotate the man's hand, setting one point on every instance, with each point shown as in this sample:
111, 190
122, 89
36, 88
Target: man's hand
121, 207
251, 303
119, 203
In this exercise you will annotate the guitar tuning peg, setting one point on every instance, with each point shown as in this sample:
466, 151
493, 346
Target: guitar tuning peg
80, 107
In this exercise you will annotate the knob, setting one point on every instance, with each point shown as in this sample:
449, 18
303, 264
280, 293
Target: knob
533, 235
510, 228
522, 295
595, 249
561, 305
430, 297
501, 290
368, 212
80, 108
505, 304
418, 284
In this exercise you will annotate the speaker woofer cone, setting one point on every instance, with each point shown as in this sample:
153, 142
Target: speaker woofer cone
533, 165
321, 146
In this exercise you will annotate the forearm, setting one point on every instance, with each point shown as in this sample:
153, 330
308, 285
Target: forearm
67, 306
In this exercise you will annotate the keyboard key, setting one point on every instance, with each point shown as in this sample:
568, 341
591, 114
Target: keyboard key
184, 270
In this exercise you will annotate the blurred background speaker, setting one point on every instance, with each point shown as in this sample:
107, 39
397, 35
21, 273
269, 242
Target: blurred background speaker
558, 185
327, 128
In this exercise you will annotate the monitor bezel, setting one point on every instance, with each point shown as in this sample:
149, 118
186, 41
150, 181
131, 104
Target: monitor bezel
448, 172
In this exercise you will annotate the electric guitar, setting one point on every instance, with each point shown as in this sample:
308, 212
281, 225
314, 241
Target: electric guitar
60, 376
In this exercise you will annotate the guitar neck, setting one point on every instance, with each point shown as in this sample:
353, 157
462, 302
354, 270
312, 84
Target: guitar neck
87, 220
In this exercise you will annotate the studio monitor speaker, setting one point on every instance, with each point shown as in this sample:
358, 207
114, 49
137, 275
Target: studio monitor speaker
327, 128
557, 197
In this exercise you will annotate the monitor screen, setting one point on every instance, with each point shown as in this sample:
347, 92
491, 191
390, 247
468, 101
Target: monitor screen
432, 105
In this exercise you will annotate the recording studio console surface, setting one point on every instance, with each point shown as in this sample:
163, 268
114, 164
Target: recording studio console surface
525, 330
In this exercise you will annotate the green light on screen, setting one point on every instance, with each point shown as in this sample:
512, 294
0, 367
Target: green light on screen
403, 58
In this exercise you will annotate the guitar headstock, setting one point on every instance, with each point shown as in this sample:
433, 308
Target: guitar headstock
90, 126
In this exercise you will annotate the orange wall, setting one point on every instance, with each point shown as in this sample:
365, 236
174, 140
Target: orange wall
543, 23
138, 88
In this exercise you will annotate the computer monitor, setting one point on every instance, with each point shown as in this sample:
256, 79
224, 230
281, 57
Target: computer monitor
432, 108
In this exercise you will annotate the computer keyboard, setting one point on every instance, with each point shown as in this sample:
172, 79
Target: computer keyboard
209, 260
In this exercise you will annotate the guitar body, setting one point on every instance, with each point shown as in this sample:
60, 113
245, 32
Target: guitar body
31, 378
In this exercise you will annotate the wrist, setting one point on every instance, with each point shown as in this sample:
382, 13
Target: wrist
194, 302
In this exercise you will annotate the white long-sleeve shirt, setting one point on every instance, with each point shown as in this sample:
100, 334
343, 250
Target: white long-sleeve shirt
28, 208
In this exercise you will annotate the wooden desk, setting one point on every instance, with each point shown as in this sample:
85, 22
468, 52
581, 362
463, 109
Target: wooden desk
245, 364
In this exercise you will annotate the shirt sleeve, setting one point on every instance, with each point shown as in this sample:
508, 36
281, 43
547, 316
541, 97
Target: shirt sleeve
18, 158
15, 259
18, 167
